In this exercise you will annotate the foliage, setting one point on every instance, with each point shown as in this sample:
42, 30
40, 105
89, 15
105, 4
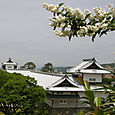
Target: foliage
98, 105
28, 65
108, 103
108, 81
74, 23
48, 68
21, 95
4, 76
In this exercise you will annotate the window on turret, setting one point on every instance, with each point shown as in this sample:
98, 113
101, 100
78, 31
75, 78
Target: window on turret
9, 67
92, 79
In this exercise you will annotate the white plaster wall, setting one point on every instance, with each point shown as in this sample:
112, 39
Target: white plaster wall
97, 77
81, 94
9, 66
70, 103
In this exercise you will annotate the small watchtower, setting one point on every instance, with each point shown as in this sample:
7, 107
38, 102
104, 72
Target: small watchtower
90, 70
9, 65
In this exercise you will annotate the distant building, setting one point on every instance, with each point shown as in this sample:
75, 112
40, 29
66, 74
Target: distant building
63, 92
9, 65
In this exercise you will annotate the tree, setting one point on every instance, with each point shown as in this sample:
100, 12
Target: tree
28, 65
48, 68
21, 94
69, 22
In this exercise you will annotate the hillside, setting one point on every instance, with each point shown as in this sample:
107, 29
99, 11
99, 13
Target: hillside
112, 65
62, 69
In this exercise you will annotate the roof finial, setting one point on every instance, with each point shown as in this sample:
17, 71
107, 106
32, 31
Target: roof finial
9, 59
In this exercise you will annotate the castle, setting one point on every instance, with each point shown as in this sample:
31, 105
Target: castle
63, 90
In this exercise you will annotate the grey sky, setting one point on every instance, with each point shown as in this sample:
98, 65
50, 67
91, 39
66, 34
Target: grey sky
25, 35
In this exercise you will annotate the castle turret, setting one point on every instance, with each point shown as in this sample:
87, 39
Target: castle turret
9, 65
90, 70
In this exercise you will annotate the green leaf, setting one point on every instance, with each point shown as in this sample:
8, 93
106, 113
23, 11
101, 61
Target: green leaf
93, 37
87, 102
108, 18
87, 16
113, 21
61, 4
80, 80
70, 37
109, 13
97, 101
54, 28
87, 86
99, 31
90, 96
54, 14
82, 113
104, 32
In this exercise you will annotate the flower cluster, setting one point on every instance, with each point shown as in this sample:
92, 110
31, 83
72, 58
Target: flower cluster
110, 6
73, 22
51, 7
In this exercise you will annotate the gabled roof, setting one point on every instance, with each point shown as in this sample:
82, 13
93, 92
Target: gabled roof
75, 69
9, 62
89, 66
92, 64
63, 82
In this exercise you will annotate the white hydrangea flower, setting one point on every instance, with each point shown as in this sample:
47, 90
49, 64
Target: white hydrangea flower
78, 32
59, 33
95, 10
65, 8
83, 29
93, 28
52, 24
91, 17
52, 19
110, 6
60, 18
69, 10
62, 25
104, 26
68, 26
90, 34
87, 11
103, 11
54, 10
51, 7
79, 14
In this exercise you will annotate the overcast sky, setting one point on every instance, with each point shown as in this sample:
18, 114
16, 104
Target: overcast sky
25, 35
